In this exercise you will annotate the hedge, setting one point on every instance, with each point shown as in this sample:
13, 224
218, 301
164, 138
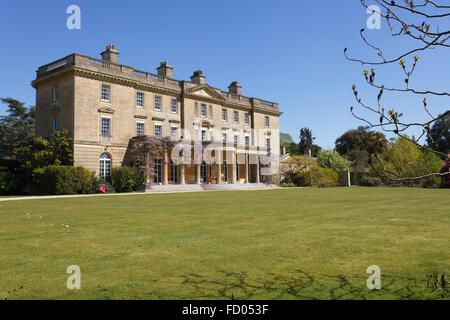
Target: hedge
127, 179
324, 177
68, 180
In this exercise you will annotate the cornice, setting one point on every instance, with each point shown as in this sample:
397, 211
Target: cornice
130, 82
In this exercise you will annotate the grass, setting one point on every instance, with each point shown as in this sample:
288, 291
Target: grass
278, 244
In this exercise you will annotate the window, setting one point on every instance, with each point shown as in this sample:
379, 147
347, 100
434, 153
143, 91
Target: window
210, 112
268, 143
158, 103
224, 115
224, 136
236, 117
106, 126
267, 122
105, 166
204, 135
247, 141
106, 92
174, 132
237, 172
203, 110
196, 110
174, 106
139, 99
236, 139
246, 117
55, 93
158, 130
55, 124
140, 129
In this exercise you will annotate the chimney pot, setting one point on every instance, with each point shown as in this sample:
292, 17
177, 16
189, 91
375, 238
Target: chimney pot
235, 88
164, 70
110, 54
198, 77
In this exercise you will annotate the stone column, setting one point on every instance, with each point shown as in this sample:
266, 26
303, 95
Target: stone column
257, 169
233, 171
197, 174
165, 173
246, 168
147, 168
219, 166
182, 174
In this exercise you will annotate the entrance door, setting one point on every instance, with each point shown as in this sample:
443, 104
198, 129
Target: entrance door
173, 172
158, 171
204, 172
225, 171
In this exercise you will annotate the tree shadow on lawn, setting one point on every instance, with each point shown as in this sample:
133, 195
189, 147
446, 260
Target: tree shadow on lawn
300, 286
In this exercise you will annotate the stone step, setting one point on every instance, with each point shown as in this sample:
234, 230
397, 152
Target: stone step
208, 187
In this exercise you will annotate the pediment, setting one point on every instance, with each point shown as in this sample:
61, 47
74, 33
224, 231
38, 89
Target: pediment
54, 111
106, 110
205, 91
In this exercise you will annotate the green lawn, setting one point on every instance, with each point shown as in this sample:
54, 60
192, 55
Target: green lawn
278, 244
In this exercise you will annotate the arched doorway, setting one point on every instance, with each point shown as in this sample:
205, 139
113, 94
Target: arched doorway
105, 166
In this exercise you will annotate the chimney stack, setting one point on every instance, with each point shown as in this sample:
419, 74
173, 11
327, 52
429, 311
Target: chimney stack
110, 54
164, 70
235, 88
198, 77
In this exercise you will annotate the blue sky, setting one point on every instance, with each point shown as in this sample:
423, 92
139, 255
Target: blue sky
290, 52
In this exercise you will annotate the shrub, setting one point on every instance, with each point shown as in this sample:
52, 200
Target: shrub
369, 180
68, 180
332, 160
127, 179
287, 185
56, 150
324, 177
8, 181
270, 179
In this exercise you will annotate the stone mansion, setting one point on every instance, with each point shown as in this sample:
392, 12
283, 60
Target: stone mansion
105, 104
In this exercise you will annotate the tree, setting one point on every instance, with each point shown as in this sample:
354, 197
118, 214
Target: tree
332, 160
425, 23
286, 141
17, 128
403, 158
148, 148
439, 136
307, 143
57, 150
296, 170
360, 139
306, 140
